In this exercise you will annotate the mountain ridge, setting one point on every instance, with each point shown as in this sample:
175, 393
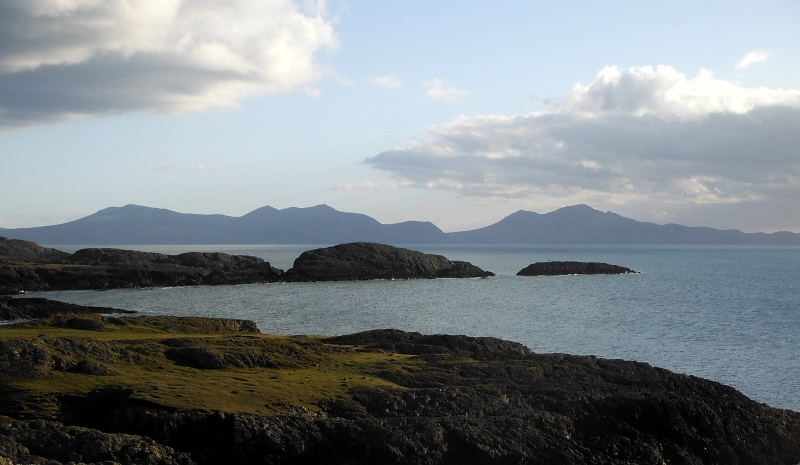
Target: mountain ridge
321, 224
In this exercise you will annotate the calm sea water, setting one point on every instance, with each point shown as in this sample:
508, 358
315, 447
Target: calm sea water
731, 314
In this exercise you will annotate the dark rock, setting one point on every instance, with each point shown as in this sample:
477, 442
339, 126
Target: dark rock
28, 308
413, 343
52, 443
33, 268
567, 268
15, 250
105, 256
195, 357
85, 323
366, 260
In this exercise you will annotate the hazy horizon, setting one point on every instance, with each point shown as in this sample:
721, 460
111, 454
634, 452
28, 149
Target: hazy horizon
409, 220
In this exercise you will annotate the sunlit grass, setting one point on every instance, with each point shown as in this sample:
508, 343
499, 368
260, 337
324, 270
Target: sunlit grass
306, 371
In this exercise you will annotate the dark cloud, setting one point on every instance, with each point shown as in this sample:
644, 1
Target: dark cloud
61, 60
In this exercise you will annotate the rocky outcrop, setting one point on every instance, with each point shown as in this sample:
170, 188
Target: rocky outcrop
517, 407
568, 268
442, 399
29, 252
366, 260
24, 266
51, 443
28, 308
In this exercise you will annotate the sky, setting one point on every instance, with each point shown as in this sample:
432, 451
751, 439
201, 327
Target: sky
454, 112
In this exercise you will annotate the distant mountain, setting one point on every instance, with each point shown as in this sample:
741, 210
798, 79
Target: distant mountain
581, 224
133, 224
578, 224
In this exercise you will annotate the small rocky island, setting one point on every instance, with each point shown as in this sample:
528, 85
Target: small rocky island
87, 388
26, 266
367, 260
569, 268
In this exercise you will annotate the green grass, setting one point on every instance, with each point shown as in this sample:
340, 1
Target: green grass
306, 373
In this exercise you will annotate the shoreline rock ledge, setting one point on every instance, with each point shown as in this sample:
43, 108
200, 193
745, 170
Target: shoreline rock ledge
358, 261
567, 268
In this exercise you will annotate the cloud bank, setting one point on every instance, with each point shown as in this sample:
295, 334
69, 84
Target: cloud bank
61, 59
633, 136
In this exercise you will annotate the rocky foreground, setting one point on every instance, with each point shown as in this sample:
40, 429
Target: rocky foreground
26, 266
165, 390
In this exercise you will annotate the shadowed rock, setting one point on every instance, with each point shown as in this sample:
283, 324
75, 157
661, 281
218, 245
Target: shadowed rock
25, 266
48, 442
367, 260
30, 252
28, 308
567, 268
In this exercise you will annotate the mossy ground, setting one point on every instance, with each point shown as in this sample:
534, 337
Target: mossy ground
305, 371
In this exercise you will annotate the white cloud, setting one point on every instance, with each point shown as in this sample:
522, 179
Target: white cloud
636, 136
443, 90
71, 58
756, 56
388, 82
358, 186
666, 93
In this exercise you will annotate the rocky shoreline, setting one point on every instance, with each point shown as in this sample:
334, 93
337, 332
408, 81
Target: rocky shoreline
26, 266
166, 390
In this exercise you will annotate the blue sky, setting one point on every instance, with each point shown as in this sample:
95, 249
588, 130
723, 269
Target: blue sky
457, 113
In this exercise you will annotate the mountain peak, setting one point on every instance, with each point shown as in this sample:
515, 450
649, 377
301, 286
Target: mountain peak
580, 208
262, 211
322, 207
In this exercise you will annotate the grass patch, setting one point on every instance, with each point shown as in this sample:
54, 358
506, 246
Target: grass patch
294, 371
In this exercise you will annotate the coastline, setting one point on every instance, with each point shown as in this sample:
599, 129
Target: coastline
386, 395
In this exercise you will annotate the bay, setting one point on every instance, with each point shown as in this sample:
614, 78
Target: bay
731, 314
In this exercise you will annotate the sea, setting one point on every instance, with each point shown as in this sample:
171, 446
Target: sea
726, 313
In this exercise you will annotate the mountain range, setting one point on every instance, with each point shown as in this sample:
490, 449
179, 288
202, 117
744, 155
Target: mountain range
577, 224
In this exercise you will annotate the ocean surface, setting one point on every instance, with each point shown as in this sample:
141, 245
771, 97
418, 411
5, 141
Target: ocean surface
731, 314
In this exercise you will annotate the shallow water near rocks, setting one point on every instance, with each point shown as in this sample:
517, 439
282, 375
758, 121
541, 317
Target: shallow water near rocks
731, 314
